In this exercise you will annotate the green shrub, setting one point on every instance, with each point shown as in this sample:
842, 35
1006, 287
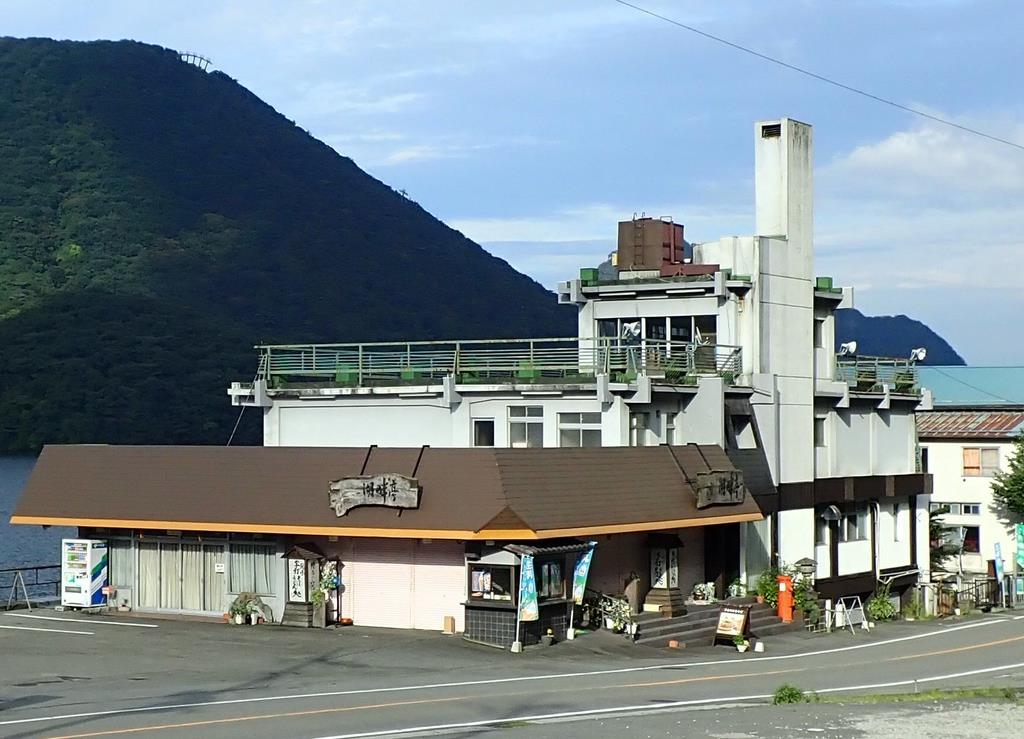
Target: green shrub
788, 693
768, 587
879, 607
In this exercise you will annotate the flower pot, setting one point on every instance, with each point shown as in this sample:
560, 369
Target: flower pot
760, 599
609, 623
742, 647
239, 619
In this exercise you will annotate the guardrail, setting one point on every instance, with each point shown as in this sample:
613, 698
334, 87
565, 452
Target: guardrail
869, 374
42, 583
496, 360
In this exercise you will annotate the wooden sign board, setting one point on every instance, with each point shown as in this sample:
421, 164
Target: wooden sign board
732, 621
720, 488
389, 490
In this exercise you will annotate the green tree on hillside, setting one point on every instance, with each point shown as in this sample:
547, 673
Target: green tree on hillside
1008, 487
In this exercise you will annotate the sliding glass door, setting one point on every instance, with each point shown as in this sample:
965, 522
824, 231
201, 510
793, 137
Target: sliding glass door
181, 576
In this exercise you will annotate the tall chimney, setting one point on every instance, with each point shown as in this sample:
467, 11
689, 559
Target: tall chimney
784, 183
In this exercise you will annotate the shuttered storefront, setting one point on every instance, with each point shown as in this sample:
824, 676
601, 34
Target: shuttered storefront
402, 583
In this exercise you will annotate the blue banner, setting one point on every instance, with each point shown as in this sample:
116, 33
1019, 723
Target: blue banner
528, 610
999, 564
579, 575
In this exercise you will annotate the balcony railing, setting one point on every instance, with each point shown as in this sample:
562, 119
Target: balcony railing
869, 374
562, 360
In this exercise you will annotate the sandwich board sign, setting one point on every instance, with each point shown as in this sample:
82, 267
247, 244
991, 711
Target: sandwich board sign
732, 621
851, 610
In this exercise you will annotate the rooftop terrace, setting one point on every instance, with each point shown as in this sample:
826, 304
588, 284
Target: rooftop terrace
496, 361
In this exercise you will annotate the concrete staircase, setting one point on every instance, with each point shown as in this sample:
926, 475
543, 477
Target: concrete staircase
697, 627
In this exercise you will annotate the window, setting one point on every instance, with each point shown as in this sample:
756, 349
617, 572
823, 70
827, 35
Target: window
655, 328
819, 432
251, 566
490, 582
526, 426
681, 328
579, 429
705, 329
819, 333
971, 539
550, 581
981, 462
483, 432
820, 531
122, 563
853, 526
638, 425
924, 459
970, 509
608, 328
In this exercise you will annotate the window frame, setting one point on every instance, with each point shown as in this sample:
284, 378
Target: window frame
511, 569
976, 539
821, 432
580, 427
493, 432
982, 469
860, 515
542, 568
530, 421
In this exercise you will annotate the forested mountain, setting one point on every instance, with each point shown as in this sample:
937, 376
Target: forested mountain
156, 220
892, 336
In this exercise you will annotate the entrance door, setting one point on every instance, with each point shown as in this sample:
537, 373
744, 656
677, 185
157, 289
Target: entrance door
722, 556
181, 576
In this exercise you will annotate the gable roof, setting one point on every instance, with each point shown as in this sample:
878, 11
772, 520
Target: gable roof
465, 493
967, 423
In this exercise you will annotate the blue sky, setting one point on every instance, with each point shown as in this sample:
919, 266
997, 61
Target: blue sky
534, 126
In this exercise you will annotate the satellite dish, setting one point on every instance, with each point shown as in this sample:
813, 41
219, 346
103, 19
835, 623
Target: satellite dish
631, 331
847, 348
918, 355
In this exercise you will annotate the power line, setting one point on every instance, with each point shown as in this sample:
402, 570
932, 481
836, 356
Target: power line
821, 78
973, 387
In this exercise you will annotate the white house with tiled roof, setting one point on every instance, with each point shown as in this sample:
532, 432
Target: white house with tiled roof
963, 447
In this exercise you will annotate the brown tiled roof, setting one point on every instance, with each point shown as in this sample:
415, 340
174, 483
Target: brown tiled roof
465, 493
970, 424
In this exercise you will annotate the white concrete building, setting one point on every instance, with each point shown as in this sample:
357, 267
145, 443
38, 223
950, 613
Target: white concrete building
963, 447
726, 343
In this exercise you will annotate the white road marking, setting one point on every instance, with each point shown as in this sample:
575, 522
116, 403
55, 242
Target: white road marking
497, 681
52, 631
90, 621
646, 708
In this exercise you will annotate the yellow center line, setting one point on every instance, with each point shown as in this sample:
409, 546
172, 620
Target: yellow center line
952, 650
260, 717
377, 706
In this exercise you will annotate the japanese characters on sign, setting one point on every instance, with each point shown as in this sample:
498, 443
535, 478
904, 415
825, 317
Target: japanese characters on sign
296, 581
720, 488
389, 490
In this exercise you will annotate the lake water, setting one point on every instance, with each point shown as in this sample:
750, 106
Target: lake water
20, 545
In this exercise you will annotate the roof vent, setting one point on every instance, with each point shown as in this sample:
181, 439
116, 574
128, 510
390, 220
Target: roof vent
771, 131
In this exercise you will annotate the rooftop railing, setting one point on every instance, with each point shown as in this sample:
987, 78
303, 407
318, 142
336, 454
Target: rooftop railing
869, 374
563, 360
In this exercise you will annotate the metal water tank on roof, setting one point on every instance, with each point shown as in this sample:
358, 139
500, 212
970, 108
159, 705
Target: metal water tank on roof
648, 243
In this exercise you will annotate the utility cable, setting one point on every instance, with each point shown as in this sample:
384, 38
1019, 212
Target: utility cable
821, 78
972, 387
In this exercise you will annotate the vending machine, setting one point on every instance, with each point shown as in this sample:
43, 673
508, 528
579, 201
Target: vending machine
83, 572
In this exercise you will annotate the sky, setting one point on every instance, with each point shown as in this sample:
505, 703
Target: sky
534, 127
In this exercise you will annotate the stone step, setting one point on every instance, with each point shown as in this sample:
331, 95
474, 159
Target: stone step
674, 627
694, 617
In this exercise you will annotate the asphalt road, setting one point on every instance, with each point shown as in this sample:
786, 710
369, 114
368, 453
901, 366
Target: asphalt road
66, 675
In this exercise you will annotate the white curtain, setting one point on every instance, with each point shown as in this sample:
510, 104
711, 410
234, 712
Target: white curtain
149, 575
213, 588
241, 564
170, 576
192, 577
122, 563
264, 572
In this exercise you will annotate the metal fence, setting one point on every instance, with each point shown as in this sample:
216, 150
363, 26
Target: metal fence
41, 584
497, 360
869, 374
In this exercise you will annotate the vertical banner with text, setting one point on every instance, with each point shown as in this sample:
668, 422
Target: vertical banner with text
528, 610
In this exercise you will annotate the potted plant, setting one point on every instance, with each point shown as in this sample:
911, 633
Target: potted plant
737, 589
741, 643
767, 587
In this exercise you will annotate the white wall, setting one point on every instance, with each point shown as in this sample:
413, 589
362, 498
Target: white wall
894, 533
796, 535
854, 557
945, 463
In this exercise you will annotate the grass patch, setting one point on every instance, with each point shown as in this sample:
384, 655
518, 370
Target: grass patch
788, 693
1013, 695
512, 725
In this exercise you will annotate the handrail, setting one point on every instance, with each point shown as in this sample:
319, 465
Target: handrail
869, 374
472, 360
